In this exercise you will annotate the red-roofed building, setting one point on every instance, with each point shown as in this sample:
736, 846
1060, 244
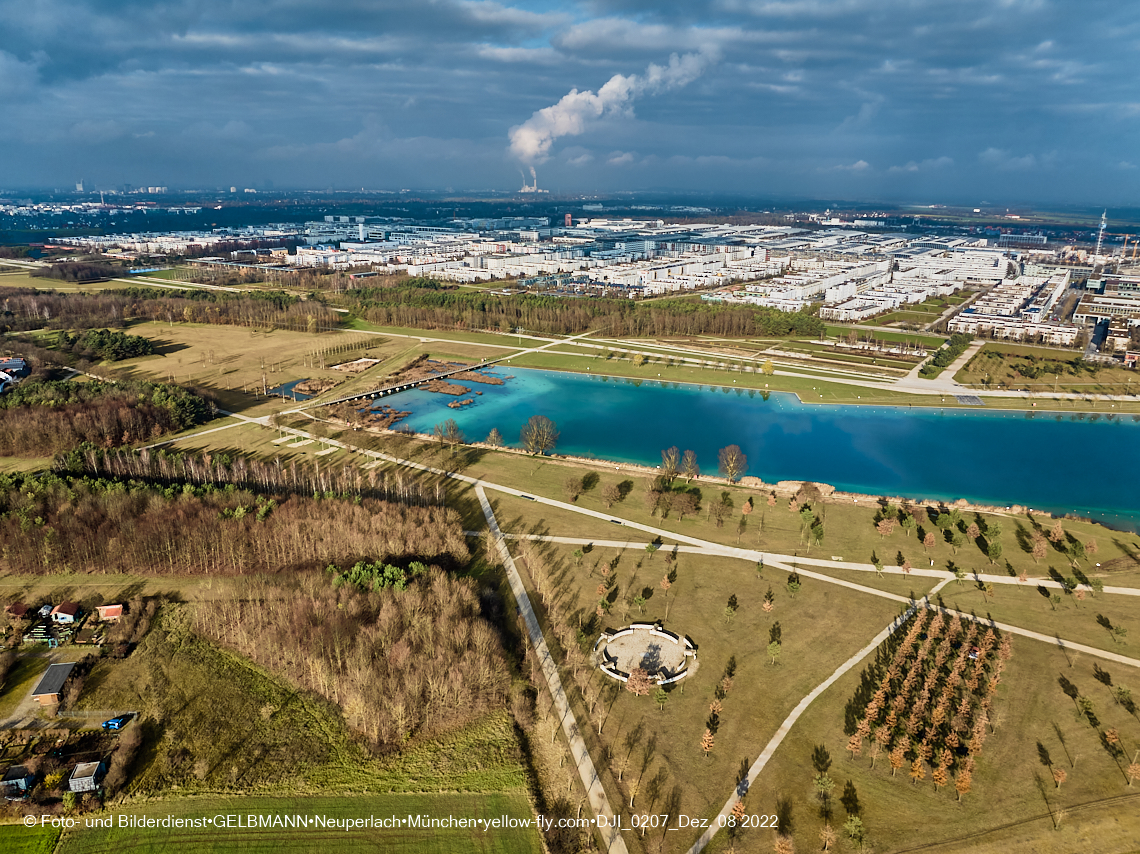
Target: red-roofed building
65, 612
110, 613
17, 610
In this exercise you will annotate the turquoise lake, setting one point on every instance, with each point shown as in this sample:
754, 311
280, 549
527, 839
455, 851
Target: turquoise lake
1087, 464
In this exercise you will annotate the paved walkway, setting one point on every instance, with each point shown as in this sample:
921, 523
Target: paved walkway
944, 383
786, 727
707, 547
174, 439
594, 791
920, 572
586, 769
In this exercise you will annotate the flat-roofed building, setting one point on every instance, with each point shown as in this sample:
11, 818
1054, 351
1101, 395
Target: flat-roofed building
51, 685
85, 777
1094, 308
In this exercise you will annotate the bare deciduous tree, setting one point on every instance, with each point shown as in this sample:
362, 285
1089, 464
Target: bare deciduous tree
733, 462
689, 467
572, 487
539, 435
611, 495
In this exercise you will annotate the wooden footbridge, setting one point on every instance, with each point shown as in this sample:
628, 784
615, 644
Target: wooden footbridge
406, 385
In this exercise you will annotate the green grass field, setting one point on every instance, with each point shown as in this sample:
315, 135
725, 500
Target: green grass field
513, 804
20, 680
918, 317
17, 839
926, 340
15, 464
1024, 605
996, 365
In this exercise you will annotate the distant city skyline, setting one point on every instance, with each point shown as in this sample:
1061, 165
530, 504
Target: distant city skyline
998, 101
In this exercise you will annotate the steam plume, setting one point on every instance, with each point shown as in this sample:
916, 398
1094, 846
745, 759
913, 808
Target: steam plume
531, 141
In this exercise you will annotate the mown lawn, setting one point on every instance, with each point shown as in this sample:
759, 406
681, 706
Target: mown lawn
1012, 787
17, 839
656, 750
1024, 605
907, 337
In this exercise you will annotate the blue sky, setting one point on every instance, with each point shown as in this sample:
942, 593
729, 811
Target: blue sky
908, 100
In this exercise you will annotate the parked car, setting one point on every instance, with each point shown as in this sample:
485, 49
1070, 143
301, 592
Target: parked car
116, 723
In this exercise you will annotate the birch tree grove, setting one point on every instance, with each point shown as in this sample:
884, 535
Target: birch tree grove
95, 525
399, 663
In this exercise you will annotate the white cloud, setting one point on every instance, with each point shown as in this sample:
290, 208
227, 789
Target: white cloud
999, 158
620, 158
573, 114
924, 166
867, 112
544, 55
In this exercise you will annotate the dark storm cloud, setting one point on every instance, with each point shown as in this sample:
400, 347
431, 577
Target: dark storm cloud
1026, 99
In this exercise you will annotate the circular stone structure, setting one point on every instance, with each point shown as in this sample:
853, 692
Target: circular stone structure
664, 655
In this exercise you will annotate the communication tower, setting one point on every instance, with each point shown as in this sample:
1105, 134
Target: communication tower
1100, 234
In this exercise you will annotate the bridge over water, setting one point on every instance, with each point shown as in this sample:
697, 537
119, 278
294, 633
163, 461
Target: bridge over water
406, 385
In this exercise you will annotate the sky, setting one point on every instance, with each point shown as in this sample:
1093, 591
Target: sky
956, 101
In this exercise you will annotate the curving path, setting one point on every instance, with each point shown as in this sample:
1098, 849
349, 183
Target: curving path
919, 572
578, 750
752, 555
586, 768
770, 748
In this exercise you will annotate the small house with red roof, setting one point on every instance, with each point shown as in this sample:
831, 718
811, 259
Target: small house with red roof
109, 613
65, 612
